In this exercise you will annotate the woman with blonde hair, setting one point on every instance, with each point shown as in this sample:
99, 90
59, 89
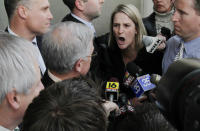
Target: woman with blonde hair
126, 32
124, 46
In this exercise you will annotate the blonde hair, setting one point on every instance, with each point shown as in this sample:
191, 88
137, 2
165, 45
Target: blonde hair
132, 12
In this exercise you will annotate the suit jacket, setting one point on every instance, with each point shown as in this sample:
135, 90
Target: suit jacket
46, 80
69, 17
150, 24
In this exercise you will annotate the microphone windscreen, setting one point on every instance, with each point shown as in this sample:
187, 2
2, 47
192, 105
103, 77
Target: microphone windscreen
133, 69
155, 78
166, 32
147, 40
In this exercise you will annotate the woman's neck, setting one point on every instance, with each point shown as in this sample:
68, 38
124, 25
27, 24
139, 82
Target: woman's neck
129, 55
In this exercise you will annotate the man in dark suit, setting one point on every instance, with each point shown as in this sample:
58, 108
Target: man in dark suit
28, 19
83, 11
67, 49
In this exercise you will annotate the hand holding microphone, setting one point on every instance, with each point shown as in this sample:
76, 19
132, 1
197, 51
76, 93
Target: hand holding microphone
162, 45
158, 42
154, 43
110, 106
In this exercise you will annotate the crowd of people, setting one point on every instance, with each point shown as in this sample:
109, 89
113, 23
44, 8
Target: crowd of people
54, 77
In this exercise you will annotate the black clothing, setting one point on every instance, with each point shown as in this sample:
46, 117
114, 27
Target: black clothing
154, 60
46, 80
150, 25
69, 17
150, 63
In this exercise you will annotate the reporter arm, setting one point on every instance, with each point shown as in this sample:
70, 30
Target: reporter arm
110, 106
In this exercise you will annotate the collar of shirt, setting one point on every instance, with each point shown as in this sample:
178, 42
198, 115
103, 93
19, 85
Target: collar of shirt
89, 24
192, 46
53, 77
13, 33
4, 129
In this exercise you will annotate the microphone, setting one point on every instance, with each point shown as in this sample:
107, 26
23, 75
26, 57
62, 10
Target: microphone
155, 78
142, 84
112, 91
132, 72
151, 43
166, 32
124, 104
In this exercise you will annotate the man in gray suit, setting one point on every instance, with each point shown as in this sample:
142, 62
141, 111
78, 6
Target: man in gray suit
19, 80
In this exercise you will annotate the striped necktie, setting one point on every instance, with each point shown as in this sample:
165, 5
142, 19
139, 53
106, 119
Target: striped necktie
179, 55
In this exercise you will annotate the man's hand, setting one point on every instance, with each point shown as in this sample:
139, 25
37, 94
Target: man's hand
163, 43
110, 106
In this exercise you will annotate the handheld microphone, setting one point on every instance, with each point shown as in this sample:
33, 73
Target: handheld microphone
141, 85
151, 43
112, 91
124, 104
155, 78
166, 32
132, 72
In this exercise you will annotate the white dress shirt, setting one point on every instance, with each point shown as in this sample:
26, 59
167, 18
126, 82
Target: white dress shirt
89, 24
4, 129
40, 59
53, 77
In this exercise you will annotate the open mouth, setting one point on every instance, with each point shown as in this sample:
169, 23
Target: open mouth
121, 38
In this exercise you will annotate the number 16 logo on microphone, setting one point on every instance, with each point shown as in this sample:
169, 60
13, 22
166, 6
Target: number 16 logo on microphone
112, 86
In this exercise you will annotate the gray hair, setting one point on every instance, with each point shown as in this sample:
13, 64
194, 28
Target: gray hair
17, 65
64, 44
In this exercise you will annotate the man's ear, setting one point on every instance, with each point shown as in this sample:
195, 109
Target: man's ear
22, 11
78, 65
80, 4
13, 99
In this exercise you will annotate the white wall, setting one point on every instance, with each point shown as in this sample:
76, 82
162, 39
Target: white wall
103, 22
146, 7
59, 10
3, 16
